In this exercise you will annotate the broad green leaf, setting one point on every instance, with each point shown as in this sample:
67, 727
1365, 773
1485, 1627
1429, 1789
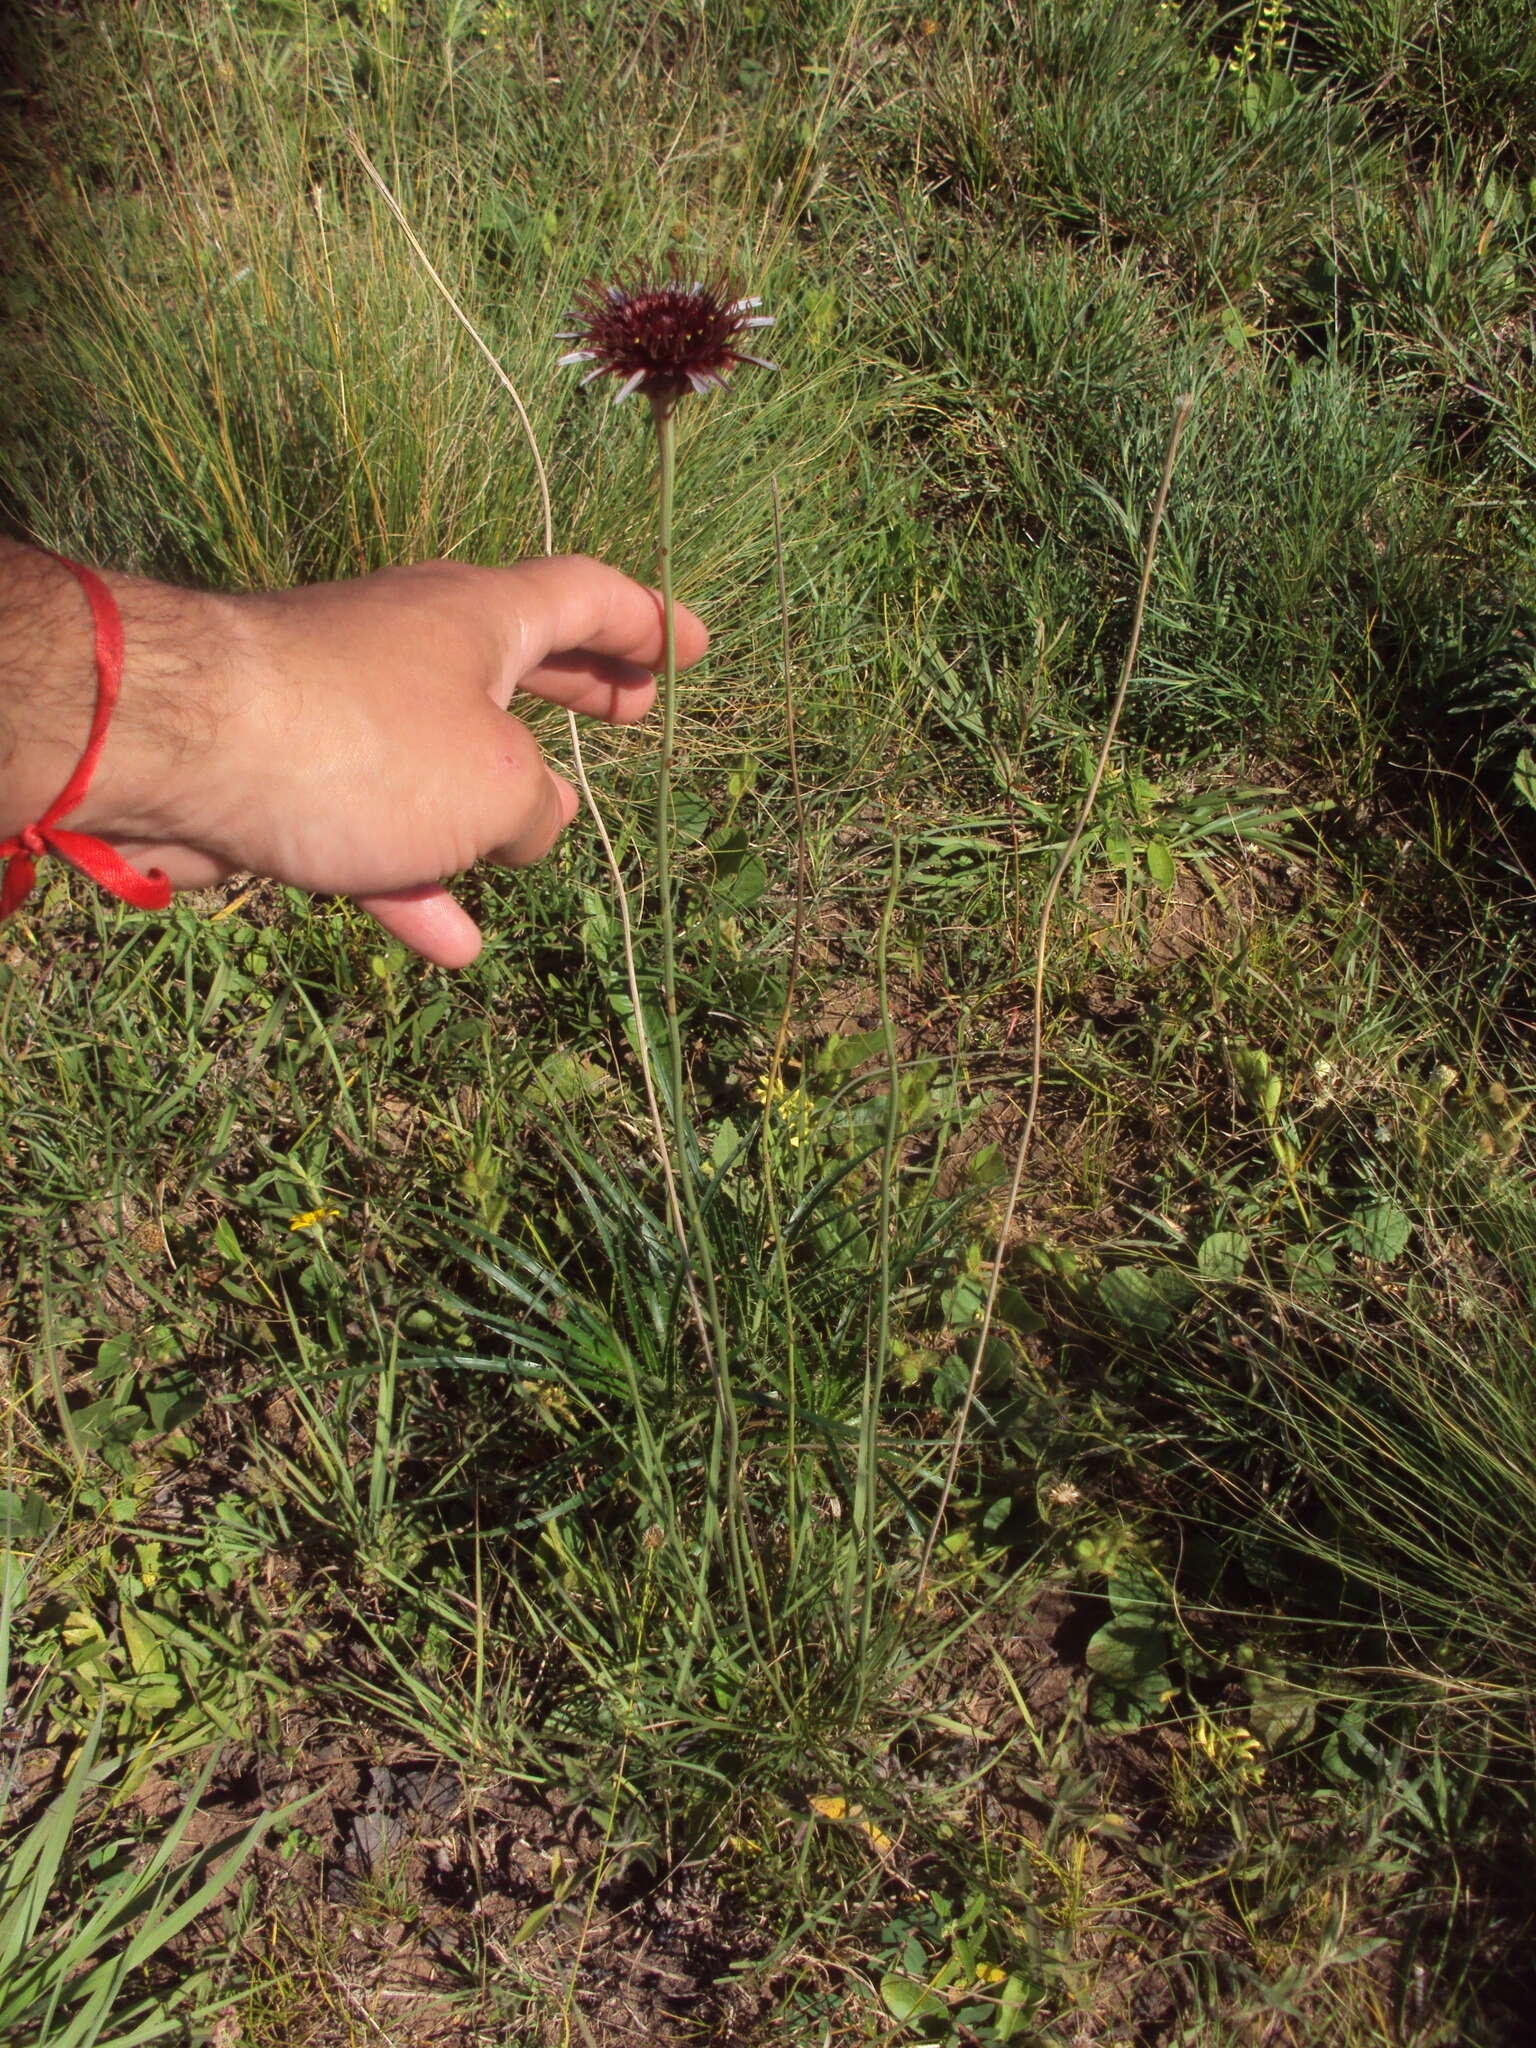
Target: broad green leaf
1016, 2001
116, 1354
1136, 1591
1223, 1255
841, 1055
986, 1167
1142, 1300
146, 1653
966, 1296
690, 817
1350, 1757
1250, 1070
1280, 1713
25, 1517
739, 886
1017, 1314
906, 2000
565, 1077
1313, 1268
1124, 1653
1159, 860
1118, 848
175, 1401
1379, 1230
1523, 777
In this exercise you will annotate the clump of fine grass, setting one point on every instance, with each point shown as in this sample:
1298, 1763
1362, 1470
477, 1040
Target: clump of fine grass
1430, 72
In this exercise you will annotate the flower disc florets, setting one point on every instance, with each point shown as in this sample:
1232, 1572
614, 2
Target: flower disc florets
662, 339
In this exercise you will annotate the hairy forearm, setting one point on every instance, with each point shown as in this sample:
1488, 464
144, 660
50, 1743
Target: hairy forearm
45, 656
168, 707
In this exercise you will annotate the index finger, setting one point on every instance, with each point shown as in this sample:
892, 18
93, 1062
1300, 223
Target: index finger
570, 603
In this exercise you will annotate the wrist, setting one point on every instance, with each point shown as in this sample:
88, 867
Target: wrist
169, 707
47, 682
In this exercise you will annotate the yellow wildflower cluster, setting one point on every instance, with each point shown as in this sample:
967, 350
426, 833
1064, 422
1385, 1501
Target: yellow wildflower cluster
1262, 36
1232, 1751
792, 1107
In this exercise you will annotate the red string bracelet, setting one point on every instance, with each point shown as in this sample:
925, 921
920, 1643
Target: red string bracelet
93, 857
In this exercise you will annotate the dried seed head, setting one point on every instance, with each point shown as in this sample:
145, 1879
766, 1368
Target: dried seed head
662, 339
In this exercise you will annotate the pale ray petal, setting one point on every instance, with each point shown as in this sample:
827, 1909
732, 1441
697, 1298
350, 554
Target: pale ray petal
577, 355
629, 387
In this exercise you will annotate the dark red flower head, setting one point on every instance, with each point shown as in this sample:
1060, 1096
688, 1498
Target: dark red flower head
662, 339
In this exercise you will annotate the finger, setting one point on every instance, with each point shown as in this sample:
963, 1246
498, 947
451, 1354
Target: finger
537, 831
568, 602
601, 685
429, 921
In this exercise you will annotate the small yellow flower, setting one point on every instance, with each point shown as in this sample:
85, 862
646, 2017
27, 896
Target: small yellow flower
792, 1106
831, 1807
1232, 1751
308, 1218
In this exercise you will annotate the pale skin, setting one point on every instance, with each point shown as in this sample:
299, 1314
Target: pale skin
348, 738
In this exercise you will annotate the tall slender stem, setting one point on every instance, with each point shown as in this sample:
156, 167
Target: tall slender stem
697, 1251
1183, 407
792, 1527
877, 1355
666, 449
726, 1449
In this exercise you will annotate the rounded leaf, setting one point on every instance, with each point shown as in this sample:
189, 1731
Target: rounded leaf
1223, 1255
907, 2000
1379, 1230
1141, 1300
1124, 1653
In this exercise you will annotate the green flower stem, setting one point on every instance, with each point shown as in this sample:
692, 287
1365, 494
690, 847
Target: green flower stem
666, 443
682, 1135
877, 1358
726, 1448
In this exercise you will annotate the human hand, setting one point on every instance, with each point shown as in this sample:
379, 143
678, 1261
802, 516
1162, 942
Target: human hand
353, 738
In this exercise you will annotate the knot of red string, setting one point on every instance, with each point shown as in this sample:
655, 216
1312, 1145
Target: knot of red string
22, 851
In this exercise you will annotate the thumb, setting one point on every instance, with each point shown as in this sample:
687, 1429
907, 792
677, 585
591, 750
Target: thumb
429, 921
